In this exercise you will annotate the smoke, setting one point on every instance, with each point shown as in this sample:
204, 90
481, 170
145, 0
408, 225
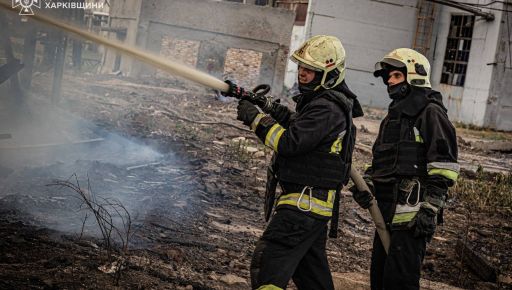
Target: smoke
49, 144
44, 142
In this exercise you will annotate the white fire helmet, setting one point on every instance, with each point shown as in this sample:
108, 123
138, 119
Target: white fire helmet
323, 53
416, 64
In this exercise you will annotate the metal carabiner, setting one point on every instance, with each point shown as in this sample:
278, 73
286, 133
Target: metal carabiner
310, 198
417, 195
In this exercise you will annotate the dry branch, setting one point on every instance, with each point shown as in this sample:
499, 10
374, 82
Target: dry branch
188, 243
104, 211
172, 114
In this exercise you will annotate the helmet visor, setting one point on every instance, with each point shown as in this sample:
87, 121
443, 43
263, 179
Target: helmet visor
303, 64
388, 61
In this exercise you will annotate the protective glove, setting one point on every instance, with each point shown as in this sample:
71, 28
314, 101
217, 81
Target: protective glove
237, 92
425, 221
363, 198
246, 112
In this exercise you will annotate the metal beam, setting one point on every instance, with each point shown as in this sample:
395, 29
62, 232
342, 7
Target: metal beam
15, 93
476, 11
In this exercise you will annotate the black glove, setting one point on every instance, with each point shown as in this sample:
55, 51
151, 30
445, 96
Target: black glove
258, 98
246, 112
237, 92
363, 198
425, 223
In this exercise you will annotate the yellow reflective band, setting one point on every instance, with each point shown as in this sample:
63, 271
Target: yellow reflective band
305, 206
324, 204
317, 206
450, 174
269, 287
404, 217
417, 136
330, 196
273, 136
338, 143
336, 146
256, 121
453, 166
276, 140
367, 166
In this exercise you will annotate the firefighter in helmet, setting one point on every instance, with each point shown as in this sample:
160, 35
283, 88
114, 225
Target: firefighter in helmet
414, 163
312, 156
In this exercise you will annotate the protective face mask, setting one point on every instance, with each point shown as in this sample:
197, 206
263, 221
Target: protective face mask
309, 87
399, 91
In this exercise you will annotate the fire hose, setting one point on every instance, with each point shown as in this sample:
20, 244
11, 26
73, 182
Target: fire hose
199, 77
374, 210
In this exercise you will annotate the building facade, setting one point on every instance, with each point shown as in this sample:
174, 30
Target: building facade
470, 54
245, 43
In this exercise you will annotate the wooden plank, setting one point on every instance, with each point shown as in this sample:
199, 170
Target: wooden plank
476, 262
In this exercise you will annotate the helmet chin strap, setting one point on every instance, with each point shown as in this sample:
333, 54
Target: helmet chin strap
331, 78
399, 91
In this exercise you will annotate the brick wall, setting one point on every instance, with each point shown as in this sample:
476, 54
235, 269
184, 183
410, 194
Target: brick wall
181, 50
243, 66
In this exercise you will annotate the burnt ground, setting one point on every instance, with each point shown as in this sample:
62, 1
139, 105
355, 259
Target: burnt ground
192, 179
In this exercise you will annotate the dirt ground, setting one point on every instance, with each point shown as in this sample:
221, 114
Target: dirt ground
192, 179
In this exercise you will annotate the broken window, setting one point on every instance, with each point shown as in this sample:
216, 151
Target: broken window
243, 66
457, 50
261, 2
183, 50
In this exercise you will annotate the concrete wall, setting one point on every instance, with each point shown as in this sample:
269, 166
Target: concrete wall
219, 26
499, 110
368, 30
468, 104
123, 14
298, 38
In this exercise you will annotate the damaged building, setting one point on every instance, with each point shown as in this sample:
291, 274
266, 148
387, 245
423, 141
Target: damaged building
248, 41
117, 175
467, 42
245, 43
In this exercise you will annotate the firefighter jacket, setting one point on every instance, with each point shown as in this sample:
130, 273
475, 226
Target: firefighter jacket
416, 142
313, 149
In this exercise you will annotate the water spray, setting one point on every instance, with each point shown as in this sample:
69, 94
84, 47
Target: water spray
137, 53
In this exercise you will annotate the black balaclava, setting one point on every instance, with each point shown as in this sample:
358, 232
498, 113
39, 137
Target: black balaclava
307, 91
310, 87
398, 91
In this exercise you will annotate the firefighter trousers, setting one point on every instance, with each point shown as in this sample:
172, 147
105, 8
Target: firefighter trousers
292, 246
400, 269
